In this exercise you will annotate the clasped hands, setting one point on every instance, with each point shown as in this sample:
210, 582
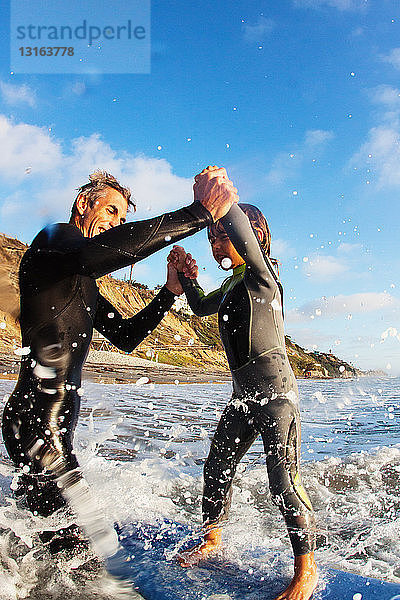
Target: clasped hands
216, 192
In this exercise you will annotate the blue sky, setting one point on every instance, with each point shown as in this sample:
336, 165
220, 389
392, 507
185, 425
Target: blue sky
299, 99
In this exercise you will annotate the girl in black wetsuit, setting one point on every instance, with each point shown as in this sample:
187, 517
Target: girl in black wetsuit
265, 395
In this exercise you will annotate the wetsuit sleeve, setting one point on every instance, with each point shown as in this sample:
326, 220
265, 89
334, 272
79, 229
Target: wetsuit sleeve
200, 303
123, 245
126, 334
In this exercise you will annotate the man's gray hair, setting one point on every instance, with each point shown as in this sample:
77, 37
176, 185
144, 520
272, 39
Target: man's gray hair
98, 183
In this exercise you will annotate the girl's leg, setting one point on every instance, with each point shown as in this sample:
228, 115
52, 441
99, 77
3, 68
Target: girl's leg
279, 423
234, 436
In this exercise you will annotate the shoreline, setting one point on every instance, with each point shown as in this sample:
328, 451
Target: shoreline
107, 367
112, 367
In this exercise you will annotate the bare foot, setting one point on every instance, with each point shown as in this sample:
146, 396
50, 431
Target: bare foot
210, 545
304, 581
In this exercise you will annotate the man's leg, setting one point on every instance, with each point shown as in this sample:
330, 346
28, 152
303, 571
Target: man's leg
39, 421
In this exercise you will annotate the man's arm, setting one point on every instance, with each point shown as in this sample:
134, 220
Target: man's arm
214, 195
129, 243
126, 334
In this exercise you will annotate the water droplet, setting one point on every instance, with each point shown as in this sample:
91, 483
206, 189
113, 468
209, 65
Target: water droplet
22, 351
276, 304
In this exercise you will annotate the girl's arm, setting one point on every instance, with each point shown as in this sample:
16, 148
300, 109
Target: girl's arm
200, 303
242, 236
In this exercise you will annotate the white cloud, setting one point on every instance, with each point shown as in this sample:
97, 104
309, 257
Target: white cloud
155, 188
393, 58
339, 4
281, 249
140, 271
26, 147
381, 154
386, 95
317, 137
287, 164
324, 268
30, 152
346, 248
208, 282
257, 32
17, 94
357, 32
310, 338
78, 88
333, 306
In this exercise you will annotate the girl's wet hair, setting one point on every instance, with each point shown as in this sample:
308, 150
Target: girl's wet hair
256, 218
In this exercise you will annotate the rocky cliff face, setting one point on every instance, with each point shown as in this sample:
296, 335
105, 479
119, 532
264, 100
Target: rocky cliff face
180, 339
11, 251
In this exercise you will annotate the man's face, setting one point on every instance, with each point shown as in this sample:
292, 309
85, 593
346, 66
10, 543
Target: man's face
107, 211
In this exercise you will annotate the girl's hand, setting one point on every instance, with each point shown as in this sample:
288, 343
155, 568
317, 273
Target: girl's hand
190, 269
177, 258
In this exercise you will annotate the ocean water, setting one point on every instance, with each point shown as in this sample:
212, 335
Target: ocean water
142, 449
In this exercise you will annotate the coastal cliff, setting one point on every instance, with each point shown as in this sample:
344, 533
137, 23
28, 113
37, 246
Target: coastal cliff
182, 339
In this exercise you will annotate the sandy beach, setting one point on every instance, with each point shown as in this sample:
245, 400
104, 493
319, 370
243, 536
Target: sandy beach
112, 367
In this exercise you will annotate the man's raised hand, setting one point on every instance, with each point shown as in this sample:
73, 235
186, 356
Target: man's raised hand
177, 257
215, 191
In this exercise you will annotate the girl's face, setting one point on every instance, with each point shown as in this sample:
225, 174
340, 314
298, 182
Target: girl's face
222, 248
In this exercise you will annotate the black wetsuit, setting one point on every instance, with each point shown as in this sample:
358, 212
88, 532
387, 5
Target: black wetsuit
60, 306
265, 395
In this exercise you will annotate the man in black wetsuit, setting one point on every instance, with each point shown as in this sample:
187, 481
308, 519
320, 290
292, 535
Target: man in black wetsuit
60, 306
